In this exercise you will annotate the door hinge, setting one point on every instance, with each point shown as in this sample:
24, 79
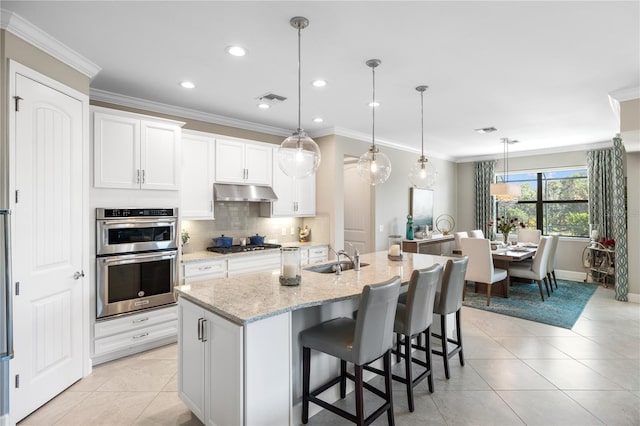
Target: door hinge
17, 99
17, 195
17, 384
17, 288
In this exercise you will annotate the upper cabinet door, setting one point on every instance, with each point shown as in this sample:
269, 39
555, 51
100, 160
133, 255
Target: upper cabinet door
258, 164
160, 155
197, 176
243, 163
116, 151
305, 196
229, 161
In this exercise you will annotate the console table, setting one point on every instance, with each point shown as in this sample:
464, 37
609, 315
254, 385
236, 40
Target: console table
438, 244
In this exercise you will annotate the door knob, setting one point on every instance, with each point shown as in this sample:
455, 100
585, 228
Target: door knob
77, 275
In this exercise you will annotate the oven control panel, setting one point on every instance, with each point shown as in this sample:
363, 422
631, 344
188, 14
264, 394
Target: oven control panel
133, 212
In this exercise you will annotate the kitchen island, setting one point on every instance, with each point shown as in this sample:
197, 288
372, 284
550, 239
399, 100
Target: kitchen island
239, 354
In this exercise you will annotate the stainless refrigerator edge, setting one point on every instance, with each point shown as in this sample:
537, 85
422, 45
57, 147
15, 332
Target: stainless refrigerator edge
6, 317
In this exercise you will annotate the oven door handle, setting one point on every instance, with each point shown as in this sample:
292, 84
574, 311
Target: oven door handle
134, 223
136, 258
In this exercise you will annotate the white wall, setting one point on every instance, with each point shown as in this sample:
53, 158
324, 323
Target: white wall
391, 199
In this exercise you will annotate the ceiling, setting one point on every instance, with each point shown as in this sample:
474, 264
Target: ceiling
540, 72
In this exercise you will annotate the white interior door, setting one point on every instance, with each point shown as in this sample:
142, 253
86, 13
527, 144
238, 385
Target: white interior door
47, 245
357, 209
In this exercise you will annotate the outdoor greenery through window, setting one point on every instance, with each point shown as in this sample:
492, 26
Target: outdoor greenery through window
552, 201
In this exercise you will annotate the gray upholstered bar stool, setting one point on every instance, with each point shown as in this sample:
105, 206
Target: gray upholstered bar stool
449, 300
358, 341
414, 317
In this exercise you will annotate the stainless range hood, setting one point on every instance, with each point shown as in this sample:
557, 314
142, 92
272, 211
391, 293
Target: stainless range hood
255, 193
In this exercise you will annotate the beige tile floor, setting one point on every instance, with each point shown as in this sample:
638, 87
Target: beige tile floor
516, 372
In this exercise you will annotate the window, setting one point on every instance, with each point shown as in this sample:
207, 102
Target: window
552, 201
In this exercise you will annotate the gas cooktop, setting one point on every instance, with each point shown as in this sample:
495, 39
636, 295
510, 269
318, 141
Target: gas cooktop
240, 249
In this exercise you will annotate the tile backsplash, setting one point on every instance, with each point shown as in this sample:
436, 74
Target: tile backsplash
239, 220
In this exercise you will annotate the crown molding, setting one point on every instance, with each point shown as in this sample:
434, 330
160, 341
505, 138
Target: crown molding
626, 94
33, 35
131, 102
544, 151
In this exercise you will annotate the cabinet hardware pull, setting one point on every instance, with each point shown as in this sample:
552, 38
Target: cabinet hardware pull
140, 320
204, 268
204, 330
199, 328
77, 275
140, 336
137, 175
143, 176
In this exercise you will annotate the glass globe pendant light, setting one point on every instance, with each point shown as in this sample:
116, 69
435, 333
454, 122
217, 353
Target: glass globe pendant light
423, 173
299, 155
374, 166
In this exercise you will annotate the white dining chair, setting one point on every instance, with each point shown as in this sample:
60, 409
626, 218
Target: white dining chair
529, 235
551, 261
536, 270
458, 236
480, 269
476, 233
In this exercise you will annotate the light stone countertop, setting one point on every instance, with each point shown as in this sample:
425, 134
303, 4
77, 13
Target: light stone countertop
250, 297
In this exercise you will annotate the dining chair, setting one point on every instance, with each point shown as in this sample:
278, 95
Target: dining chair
449, 300
481, 269
551, 261
458, 236
536, 270
358, 341
529, 235
414, 316
476, 233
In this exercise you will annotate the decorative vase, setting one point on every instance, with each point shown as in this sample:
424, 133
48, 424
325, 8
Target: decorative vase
505, 238
409, 233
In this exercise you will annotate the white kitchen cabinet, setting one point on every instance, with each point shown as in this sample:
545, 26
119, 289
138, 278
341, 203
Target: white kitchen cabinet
133, 151
243, 162
205, 270
296, 197
196, 189
210, 362
125, 335
264, 260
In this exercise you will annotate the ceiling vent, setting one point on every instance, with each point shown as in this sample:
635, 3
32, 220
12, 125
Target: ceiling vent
272, 98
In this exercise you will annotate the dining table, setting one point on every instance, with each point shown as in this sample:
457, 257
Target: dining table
504, 256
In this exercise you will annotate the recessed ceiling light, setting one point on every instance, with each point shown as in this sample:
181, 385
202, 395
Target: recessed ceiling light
486, 129
187, 84
319, 83
318, 120
264, 105
374, 104
236, 51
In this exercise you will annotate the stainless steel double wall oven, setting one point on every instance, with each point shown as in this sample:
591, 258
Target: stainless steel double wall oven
136, 253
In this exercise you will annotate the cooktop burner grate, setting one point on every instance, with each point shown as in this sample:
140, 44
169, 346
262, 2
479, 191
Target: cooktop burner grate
240, 249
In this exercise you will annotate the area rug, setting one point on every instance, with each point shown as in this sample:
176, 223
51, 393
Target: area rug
562, 309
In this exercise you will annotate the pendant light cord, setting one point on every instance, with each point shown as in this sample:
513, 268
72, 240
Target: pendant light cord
422, 122
373, 112
299, 78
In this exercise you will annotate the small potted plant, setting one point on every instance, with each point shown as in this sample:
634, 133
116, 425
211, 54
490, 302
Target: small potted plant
184, 236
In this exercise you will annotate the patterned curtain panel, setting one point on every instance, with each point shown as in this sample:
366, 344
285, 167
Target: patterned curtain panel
619, 219
483, 178
600, 168
607, 206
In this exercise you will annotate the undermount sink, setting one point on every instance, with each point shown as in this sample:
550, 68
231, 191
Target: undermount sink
330, 268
